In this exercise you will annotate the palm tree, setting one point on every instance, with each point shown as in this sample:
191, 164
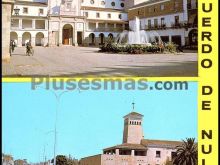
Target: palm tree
187, 153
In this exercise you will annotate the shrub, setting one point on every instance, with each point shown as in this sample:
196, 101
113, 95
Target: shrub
136, 48
170, 47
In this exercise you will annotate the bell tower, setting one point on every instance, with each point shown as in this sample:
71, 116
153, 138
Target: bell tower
133, 130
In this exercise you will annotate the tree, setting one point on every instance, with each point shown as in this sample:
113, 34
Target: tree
64, 160
187, 153
61, 160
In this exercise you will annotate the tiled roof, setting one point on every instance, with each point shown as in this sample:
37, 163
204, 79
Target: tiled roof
133, 114
127, 146
160, 143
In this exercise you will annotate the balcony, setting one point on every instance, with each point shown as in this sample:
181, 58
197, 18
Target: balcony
28, 24
156, 27
178, 25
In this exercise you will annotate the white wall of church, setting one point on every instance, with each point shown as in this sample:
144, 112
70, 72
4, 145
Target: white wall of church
153, 158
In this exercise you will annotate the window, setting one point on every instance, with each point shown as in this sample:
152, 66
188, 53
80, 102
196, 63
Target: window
176, 4
176, 20
86, 14
149, 23
41, 11
162, 21
25, 10
161, 7
103, 3
122, 4
109, 15
156, 22
92, 2
157, 154
155, 9
113, 3
173, 154
68, 6
97, 15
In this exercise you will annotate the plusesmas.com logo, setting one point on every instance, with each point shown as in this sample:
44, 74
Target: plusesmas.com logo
105, 84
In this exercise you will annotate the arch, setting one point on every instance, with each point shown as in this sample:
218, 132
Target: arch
39, 39
110, 35
193, 37
67, 34
102, 37
26, 37
14, 37
92, 39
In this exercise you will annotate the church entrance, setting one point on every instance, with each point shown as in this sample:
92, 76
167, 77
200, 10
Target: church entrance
67, 34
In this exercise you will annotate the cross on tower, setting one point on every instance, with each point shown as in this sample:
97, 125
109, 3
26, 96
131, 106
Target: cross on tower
133, 106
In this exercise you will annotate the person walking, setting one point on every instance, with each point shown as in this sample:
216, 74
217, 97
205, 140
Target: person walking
12, 46
29, 49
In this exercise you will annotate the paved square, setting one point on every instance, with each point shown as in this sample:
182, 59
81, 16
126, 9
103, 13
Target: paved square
86, 61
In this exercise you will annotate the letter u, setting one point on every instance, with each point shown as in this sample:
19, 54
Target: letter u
206, 152
204, 8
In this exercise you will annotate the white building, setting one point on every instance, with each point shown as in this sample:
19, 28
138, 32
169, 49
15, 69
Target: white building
30, 24
95, 22
104, 20
173, 20
135, 150
66, 25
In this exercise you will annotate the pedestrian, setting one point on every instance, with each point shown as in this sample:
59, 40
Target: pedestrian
12, 46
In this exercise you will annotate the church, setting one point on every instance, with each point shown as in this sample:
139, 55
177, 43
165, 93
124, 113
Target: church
135, 149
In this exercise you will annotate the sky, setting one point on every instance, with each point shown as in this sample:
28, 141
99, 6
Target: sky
89, 121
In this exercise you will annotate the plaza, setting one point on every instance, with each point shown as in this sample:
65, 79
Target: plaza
87, 61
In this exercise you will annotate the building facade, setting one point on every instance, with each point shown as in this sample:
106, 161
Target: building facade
173, 20
135, 150
30, 23
7, 7
66, 25
104, 20
95, 22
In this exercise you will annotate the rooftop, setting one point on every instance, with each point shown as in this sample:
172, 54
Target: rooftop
127, 146
133, 114
160, 143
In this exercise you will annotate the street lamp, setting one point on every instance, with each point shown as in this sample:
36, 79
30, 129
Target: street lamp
57, 96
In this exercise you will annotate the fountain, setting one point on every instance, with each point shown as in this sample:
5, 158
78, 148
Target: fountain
137, 36
138, 41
